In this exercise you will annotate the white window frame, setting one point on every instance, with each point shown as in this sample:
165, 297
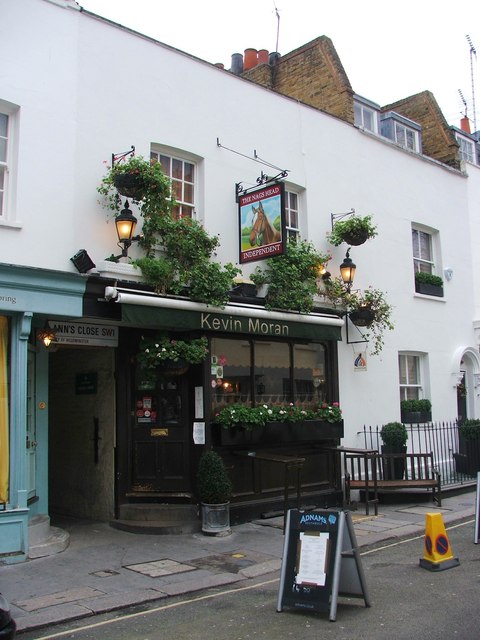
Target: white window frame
423, 261
366, 114
184, 208
466, 149
292, 211
7, 210
418, 386
406, 137
362, 115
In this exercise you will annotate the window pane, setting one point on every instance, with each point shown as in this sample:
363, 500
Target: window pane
309, 374
165, 162
188, 193
3, 125
272, 373
189, 170
231, 367
368, 120
177, 169
3, 149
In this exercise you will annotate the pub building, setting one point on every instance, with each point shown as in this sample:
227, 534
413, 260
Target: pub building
256, 357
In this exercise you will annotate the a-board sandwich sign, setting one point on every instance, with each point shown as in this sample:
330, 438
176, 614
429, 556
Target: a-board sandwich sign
320, 562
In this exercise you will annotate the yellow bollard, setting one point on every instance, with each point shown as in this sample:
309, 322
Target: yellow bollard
437, 552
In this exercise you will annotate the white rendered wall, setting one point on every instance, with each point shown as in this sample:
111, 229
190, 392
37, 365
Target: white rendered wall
87, 88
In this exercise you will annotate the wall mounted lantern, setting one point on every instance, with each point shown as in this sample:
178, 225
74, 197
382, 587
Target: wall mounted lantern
125, 224
46, 335
347, 271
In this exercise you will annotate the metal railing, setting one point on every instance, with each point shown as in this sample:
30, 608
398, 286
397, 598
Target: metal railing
457, 459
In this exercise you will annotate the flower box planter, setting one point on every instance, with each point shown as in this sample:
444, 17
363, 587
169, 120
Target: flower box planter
277, 433
429, 289
416, 417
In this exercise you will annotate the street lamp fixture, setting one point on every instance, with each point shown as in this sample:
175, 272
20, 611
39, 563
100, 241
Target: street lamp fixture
347, 271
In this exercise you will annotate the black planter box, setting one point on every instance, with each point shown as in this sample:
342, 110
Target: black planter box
277, 433
429, 289
416, 417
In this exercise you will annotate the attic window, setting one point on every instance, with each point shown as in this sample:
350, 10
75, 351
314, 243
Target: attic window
402, 131
466, 150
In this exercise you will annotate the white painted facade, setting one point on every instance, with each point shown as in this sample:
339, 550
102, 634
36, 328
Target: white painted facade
77, 88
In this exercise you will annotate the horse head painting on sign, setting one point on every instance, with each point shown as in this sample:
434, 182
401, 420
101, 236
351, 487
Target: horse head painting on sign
262, 232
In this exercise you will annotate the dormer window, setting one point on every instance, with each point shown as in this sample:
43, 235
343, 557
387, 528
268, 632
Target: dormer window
466, 149
366, 114
402, 131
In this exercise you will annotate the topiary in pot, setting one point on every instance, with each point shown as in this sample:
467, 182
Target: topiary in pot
394, 436
214, 490
467, 460
415, 411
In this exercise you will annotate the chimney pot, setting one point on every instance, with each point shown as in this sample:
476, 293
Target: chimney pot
250, 59
273, 58
263, 56
237, 64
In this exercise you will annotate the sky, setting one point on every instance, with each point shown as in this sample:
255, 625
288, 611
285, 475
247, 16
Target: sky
389, 50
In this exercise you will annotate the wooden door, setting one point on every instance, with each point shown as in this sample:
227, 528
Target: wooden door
160, 438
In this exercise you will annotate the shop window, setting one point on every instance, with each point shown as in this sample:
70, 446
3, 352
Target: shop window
257, 372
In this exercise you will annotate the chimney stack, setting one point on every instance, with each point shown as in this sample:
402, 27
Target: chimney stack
465, 125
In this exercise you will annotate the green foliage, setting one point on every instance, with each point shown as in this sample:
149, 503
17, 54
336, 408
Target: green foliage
239, 415
213, 483
154, 188
357, 300
352, 226
212, 282
292, 277
470, 429
428, 278
156, 349
394, 434
423, 405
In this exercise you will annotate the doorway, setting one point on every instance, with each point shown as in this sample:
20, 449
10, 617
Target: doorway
160, 446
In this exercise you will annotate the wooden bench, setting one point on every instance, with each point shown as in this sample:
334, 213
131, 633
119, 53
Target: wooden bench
370, 471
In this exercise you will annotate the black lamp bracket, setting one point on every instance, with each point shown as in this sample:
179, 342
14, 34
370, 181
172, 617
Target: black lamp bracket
119, 157
263, 179
339, 216
347, 322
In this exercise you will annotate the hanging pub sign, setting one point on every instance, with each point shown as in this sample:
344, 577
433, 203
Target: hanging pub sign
262, 222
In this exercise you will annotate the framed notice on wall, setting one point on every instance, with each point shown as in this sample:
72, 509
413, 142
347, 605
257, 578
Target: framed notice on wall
262, 223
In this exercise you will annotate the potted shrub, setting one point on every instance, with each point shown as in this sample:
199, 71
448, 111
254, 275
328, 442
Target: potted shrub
394, 436
214, 491
467, 460
415, 411
428, 284
354, 231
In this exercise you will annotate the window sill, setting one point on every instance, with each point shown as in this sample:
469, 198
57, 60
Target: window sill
424, 296
9, 223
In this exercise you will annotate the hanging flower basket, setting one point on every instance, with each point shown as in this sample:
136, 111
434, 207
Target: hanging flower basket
362, 317
356, 238
130, 185
173, 367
